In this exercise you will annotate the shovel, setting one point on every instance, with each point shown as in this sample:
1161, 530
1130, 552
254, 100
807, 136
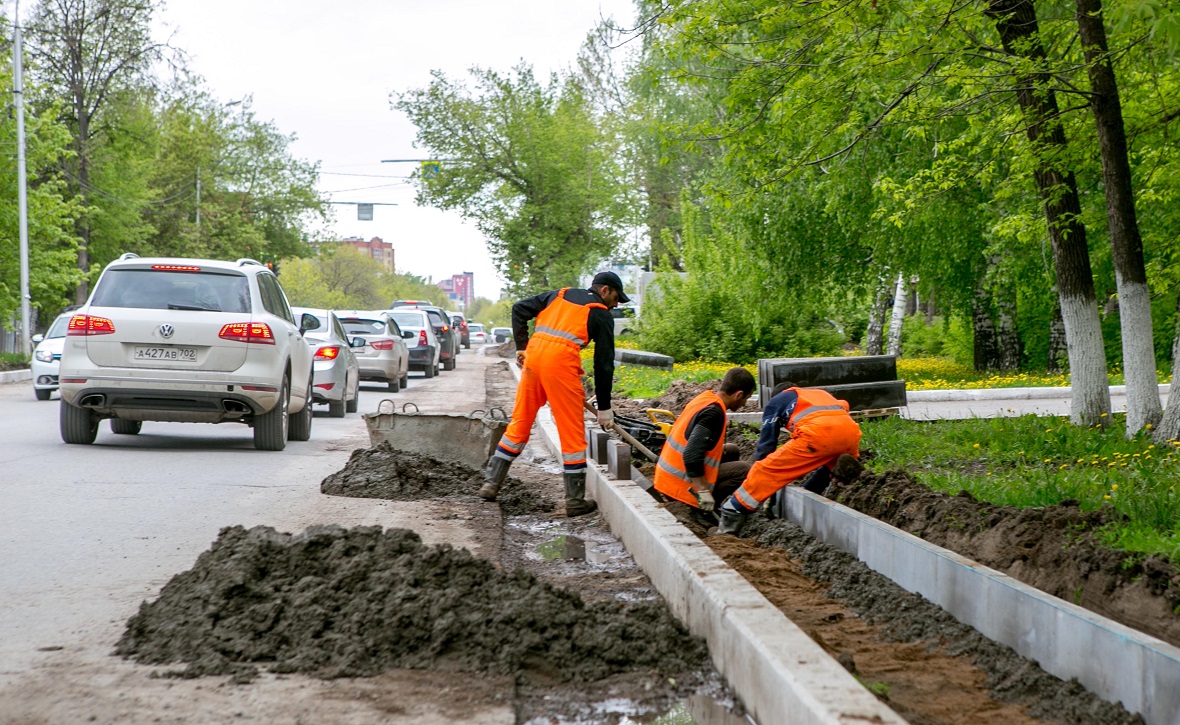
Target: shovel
625, 436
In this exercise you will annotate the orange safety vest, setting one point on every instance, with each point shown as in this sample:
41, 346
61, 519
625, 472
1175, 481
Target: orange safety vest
565, 322
814, 401
671, 475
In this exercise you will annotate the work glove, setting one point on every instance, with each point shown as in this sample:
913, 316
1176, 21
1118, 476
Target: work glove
704, 499
606, 419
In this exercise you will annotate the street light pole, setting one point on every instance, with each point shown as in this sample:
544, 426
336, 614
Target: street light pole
22, 201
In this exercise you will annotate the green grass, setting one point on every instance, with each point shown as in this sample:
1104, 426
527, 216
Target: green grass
13, 361
1031, 461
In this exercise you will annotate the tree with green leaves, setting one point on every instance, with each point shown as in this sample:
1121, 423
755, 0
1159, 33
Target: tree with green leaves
529, 163
90, 55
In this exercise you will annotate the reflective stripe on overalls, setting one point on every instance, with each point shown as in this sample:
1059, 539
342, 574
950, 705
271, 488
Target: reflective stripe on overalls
553, 374
672, 477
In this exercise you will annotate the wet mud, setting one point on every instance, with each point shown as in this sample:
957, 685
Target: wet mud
338, 602
387, 473
1054, 548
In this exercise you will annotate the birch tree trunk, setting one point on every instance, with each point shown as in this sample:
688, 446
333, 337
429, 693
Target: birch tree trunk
1169, 427
875, 333
1016, 21
900, 298
1143, 399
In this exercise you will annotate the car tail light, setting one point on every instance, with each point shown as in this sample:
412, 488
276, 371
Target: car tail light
422, 337
464, 324
445, 328
255, 332
325, 386
381, 344
176, 267
89, 325
327, 353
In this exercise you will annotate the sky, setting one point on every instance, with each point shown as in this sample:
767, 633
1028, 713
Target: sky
324, 72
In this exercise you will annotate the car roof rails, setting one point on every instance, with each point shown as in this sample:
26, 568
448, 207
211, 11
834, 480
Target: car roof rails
246, 260
128, 255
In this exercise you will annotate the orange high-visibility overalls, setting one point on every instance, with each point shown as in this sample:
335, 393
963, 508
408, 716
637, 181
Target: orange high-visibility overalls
671, 475
553, 373
821, 430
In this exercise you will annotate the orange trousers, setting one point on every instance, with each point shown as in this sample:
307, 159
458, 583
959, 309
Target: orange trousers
552, 374
817, 442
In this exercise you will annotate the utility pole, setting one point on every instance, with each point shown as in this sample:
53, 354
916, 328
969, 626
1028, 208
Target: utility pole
22, 202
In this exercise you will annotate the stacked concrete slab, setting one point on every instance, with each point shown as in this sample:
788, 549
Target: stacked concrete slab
867, 382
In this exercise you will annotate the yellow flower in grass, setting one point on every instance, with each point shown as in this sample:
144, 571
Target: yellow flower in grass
1114, 487
975, 446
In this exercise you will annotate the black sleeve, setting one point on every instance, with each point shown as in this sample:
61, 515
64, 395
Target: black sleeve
704, 430
526, 310
774, 417
601, 328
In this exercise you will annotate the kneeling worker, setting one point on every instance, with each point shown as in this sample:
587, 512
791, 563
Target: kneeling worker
823, 436
693, 467
551, 371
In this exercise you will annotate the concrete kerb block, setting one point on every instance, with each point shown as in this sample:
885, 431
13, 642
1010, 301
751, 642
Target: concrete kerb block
619, 461
599, 442
1111, 660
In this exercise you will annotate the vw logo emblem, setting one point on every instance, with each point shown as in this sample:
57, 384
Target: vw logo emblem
166, 330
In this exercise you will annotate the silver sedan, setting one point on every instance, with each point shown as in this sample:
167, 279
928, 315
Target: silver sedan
336, 377
384, 357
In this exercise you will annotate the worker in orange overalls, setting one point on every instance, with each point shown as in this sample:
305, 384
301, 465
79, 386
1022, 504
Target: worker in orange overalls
823, 435
694, 467
567, 320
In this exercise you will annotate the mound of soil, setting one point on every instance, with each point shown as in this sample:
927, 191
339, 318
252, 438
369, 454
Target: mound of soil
338, 602
387, 473
1054, 548
918, 692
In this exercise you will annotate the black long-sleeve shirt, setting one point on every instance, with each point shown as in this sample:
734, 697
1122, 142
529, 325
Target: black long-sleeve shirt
703, 432
600, 326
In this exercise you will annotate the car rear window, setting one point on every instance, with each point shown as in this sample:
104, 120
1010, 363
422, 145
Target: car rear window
166, 290
363, 326
475, 327
59, 327
408, 319
437, 318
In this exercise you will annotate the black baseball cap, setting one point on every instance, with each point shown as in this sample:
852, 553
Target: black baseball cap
610, 279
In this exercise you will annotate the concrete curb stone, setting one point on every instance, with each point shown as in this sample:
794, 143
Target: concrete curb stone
15, 376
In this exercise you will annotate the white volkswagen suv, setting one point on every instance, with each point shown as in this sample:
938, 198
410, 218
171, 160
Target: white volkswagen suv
191, 341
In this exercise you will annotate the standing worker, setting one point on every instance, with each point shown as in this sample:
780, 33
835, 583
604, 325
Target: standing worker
568, 320
694, 467
823, 436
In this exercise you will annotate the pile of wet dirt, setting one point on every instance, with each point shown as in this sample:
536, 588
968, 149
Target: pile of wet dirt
338, 602
1053, 548
674, 398
944, 668
388, 473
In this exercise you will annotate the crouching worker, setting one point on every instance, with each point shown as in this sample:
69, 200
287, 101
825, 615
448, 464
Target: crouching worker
696, 467
825, 441
551, 371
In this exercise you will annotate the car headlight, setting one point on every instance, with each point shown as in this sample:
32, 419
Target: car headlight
44, 355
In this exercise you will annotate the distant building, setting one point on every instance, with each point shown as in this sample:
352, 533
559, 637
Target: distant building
460, 289
376, 248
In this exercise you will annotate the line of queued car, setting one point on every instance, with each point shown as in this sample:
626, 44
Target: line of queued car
211, 341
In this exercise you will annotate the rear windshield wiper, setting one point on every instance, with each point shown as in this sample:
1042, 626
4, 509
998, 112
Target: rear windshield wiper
199, 308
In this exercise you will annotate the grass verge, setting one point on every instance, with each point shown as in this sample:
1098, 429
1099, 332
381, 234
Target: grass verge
1032, 461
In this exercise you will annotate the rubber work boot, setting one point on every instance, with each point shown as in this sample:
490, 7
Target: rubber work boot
730, 522
494, 475
575, 495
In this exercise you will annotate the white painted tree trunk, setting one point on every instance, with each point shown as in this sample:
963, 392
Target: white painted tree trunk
873, 334
1143, 392
1087, 361
900, 296
1169, 427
